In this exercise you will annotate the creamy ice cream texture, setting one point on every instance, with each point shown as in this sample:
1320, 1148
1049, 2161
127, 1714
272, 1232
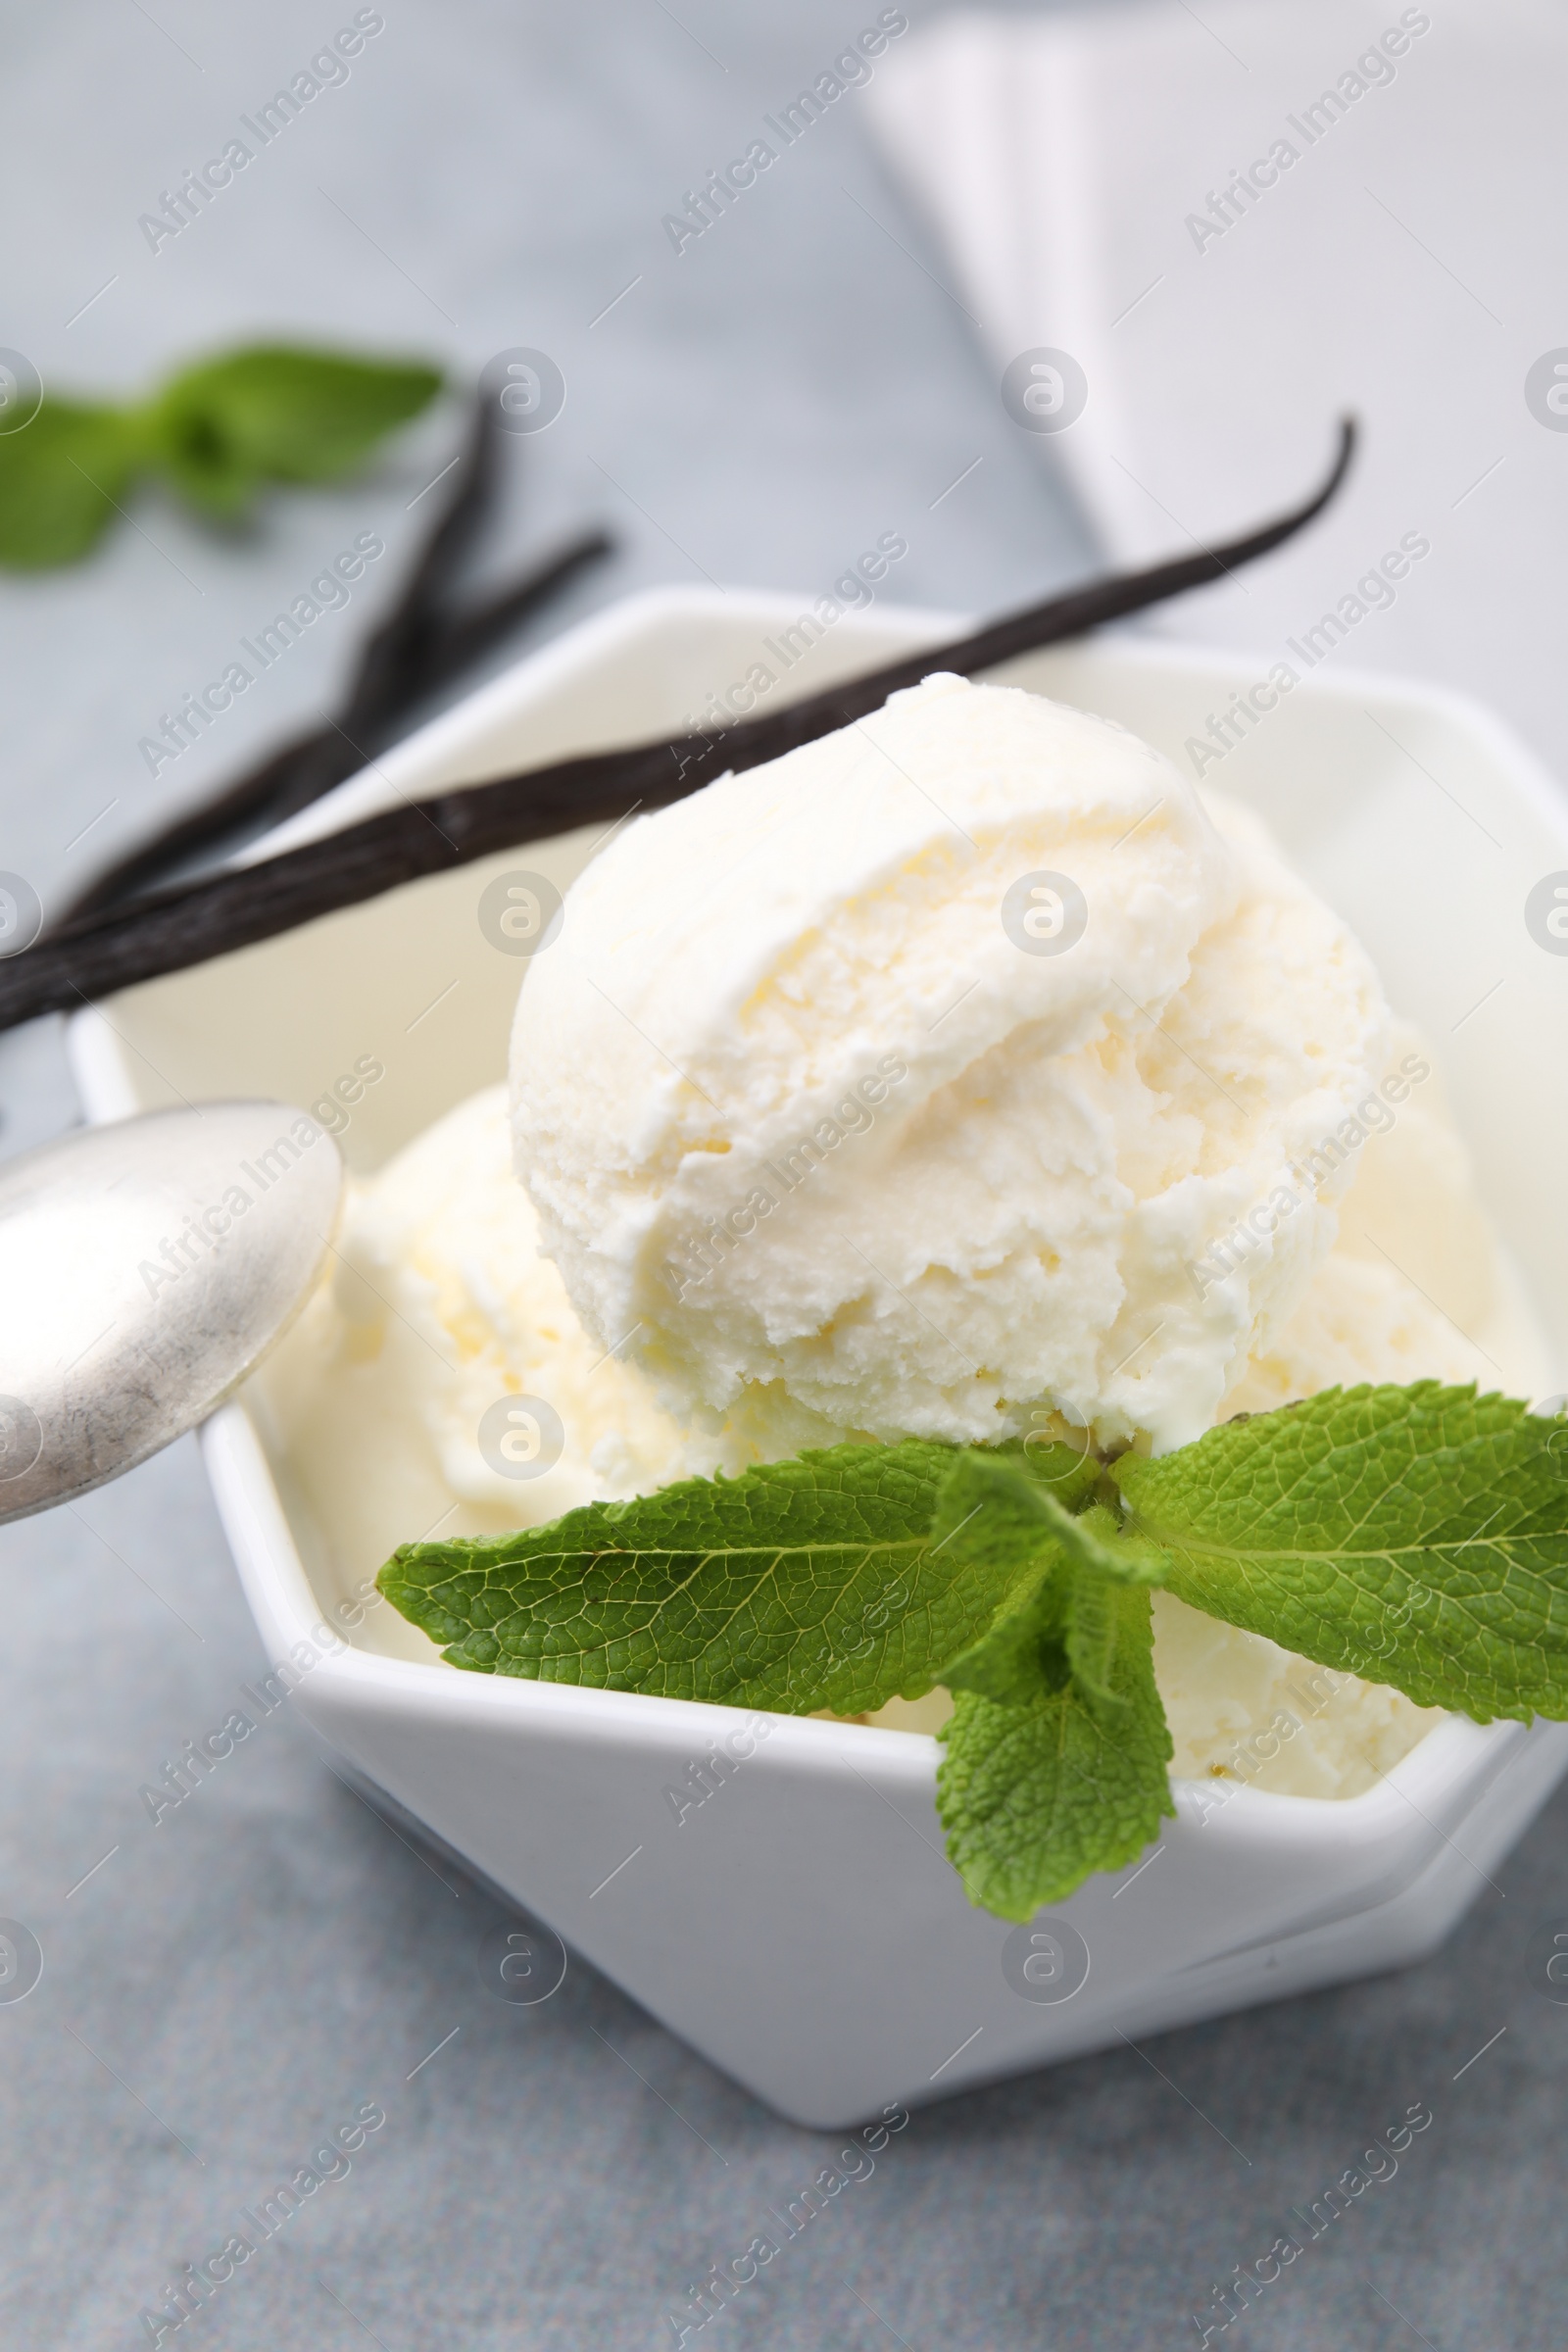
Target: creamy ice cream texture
826, 1131
807, 1117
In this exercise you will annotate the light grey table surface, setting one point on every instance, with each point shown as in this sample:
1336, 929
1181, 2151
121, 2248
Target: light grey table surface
221, 1990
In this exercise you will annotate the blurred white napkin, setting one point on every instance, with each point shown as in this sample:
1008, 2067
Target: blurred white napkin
1409, 262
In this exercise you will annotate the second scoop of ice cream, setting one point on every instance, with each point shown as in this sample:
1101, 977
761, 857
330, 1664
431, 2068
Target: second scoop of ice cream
924, 1078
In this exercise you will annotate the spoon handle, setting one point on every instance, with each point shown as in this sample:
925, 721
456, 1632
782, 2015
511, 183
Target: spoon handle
185, 924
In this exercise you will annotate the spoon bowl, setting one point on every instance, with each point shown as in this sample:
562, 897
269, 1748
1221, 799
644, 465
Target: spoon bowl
145, 1268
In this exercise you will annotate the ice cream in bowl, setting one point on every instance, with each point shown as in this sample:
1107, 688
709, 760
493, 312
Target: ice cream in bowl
965, 1247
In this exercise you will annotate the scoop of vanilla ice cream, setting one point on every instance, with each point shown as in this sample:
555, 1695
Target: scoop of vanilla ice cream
810, 1121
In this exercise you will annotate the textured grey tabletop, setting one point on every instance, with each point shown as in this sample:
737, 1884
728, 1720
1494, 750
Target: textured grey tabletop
223, 1990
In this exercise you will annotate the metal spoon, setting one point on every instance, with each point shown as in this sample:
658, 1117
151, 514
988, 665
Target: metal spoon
145, 1268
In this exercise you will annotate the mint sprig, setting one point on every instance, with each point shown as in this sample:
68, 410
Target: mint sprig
217, 434
1415, 1536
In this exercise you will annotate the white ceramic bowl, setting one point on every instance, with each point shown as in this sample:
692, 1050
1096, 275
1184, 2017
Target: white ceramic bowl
802, 1927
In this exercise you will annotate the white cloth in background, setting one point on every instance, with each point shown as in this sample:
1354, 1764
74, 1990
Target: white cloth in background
1410, 263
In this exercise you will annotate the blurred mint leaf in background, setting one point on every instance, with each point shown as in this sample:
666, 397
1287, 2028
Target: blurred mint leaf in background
216, 434
223, 429
61, 478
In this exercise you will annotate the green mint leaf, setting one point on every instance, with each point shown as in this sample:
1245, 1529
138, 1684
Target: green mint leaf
1093, 1623
1056, 1753
1002, 1507
61, 478
1000, 1513
218, 433
1007, 1505
1044, 1780
1100, 1543
805, 1584
1023, 1652
271, 412
1414, 1536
